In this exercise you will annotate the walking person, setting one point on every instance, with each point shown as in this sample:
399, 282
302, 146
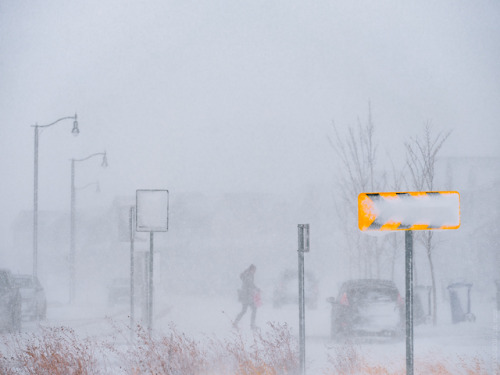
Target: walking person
248, 295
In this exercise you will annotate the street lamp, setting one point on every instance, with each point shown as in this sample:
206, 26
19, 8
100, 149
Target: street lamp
75, 132
104, 164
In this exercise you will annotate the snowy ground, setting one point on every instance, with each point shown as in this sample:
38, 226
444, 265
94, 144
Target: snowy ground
199, 316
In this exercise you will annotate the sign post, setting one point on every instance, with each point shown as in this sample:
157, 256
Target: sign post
409, 300
151, 216
132, 290
409, 211
303, 232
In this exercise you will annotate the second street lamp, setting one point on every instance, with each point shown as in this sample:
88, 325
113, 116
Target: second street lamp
73, 218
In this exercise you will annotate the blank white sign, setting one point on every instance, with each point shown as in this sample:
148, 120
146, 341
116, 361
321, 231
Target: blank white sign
152, 210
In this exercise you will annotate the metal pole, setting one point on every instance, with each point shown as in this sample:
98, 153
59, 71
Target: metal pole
302, 327
150, 293
132, 291
409, 301
35, 207
72, 252
72, 234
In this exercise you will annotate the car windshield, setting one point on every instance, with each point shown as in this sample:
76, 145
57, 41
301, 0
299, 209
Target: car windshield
23, 282
371, 295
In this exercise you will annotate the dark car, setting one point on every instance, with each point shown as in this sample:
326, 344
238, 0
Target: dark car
10, 303
287, 289
367, 307
34, 301
119, 291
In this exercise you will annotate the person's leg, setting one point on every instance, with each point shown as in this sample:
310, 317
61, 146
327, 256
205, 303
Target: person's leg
254, 314
244, 308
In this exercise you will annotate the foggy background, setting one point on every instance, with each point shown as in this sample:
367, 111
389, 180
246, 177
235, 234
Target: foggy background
229, 106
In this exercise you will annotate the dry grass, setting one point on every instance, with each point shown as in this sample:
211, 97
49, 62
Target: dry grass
59, 351
347, 360
174, 353
53, 351
273, 352
270, 353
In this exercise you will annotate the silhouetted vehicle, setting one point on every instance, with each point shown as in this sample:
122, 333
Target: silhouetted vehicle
367, 307
10, 303
34, 301
119, 291
287, 289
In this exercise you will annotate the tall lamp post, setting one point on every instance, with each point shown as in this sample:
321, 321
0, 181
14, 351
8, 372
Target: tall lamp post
75, 132
73, 216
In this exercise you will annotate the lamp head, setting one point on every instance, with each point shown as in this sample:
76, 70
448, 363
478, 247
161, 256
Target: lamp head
104, 163
75, 130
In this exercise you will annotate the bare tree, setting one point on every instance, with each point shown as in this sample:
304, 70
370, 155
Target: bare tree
357, 154
421, 157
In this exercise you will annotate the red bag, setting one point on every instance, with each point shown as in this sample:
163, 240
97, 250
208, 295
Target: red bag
257, 299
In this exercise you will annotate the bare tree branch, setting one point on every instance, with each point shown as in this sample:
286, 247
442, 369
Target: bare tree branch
421, 157
356, 150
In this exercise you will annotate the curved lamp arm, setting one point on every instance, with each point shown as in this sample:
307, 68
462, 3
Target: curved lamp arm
104, 158
75, 130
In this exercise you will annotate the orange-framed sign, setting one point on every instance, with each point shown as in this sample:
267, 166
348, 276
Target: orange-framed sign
418, 210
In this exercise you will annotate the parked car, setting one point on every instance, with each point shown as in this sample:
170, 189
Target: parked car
119, 291
367, 307
10, 303
287, 289
34, 301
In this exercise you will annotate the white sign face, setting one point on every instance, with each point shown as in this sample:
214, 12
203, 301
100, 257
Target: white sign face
152, 210
417, 210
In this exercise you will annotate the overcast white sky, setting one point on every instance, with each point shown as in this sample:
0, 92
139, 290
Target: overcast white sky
233, 95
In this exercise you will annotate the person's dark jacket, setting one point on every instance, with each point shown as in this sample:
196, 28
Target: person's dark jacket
248, 288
